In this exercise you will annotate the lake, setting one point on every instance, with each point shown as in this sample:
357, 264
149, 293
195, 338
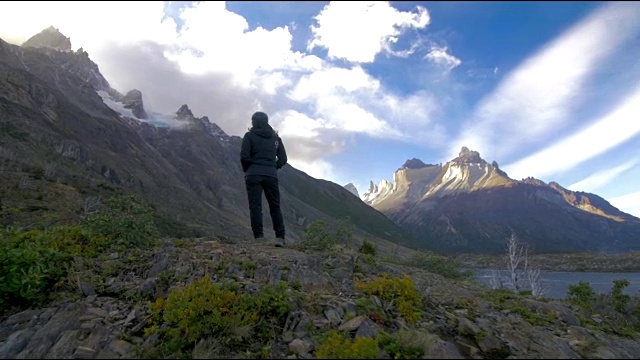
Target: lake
556, 283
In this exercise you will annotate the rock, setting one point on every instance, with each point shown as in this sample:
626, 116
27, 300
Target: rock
300, 347
15, 343
352, 324
160, 263
367, 329
97, 312
87, 289
83, 352
467, 328
120, 347
66, 346
333, 316
22, 317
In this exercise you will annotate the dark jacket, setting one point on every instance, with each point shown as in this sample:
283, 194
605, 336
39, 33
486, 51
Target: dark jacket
262, 151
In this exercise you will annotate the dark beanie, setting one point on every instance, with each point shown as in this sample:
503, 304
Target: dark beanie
259, 116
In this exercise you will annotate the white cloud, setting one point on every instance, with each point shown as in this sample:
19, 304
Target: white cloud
319, 169
221, 69
352, 100
294, 123
533, 101
620, 125
629, 203
88, 23
358, 31
441, 57
602, 178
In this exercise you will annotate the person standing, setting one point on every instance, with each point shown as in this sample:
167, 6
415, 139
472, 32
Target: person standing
262, 155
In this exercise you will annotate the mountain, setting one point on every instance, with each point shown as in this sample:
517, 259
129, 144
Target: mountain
50, 38
67, 136
352, 188
470, 206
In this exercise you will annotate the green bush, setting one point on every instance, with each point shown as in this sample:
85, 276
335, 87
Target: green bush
368, 248
31, 263
321, 235
405, 344
440, 265
582, 295
125, 220
401, 291
339, 346
207, 310
618, 298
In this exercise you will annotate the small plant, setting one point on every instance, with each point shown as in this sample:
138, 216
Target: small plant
125, 220
32, 262
405, 344
618, 298
368, 248
321, 235
207, 310
339, 346
438, 264
401, 291
582, 295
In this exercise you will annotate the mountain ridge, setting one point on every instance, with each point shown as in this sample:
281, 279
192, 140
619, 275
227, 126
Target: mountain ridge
467, 204
58, 107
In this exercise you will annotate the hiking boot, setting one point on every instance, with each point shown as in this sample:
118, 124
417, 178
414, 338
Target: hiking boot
279, 242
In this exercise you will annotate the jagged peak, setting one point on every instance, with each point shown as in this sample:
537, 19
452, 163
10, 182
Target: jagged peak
135, 93
184, 112
352, 188
50, 38
414, 164
467, 156
533, 181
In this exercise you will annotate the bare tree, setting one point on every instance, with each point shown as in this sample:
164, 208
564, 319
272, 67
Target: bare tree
50, 170
516, 254
534, 278
519, 254
91, 204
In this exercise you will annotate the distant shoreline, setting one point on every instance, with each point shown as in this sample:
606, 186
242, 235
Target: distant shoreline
578, 262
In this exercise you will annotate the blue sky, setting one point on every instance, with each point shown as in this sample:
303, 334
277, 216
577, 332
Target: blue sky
546, 89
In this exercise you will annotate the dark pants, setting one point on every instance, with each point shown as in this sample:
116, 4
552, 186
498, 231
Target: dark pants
255, 185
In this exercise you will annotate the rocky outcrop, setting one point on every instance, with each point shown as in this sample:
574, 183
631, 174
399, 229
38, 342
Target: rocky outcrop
49, 38
111, 317
352, 189
133, 100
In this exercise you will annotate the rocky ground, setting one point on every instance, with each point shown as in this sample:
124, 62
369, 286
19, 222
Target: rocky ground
108, 314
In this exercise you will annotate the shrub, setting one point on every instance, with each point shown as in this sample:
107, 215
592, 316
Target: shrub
339, 346
30, 266
618, 298
368, 248
125, 220
582, 295
401, 291
195, 311
321, 235
406, 344
440, 265
207, 310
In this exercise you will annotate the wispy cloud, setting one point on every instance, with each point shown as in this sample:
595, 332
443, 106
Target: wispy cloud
358, 31
533, 101
608, 132
629, 203
601, 178
441, 57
